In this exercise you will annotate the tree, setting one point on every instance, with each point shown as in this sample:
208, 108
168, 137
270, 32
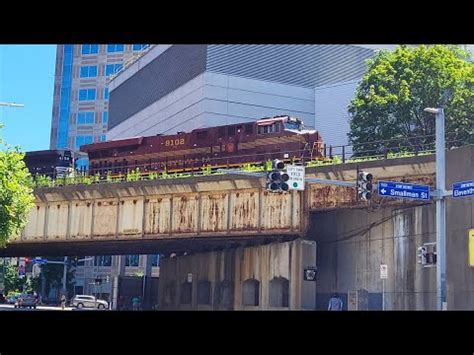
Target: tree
13, 282
397, 87
16, 193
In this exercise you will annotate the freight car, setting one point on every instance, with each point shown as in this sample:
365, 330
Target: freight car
280, 137
52, 163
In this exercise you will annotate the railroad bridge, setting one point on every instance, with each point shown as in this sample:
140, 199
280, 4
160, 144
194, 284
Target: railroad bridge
246, 248
192, 214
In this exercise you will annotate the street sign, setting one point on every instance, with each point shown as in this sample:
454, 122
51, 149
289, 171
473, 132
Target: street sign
296, 174
463, 188
383, 271
310, 274
40, 261
402, 190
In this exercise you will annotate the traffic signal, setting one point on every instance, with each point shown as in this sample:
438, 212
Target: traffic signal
422, 254
277, 178
364, 185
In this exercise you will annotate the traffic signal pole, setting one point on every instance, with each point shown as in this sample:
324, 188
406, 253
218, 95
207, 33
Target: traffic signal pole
441, 211
441, 193
65, 275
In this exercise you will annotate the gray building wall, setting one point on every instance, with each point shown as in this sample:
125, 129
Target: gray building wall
192, 86
353, 243
298, 65
213, 99
173, 68
227, 271
332, 118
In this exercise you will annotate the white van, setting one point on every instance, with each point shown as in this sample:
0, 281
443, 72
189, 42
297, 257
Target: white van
86, 301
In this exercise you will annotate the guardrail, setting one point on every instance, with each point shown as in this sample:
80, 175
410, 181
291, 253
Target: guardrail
156, 170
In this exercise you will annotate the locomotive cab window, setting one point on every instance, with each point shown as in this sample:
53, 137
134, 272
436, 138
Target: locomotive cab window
231, 131
248, 128
269, 128
293, 125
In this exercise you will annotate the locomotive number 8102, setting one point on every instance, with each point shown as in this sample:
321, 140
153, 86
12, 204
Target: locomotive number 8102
173, 142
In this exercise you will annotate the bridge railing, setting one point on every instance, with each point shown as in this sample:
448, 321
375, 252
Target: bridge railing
186, 167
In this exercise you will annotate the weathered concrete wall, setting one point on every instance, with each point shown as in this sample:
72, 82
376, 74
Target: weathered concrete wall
227, 271
161, 209
352, 243
459, 219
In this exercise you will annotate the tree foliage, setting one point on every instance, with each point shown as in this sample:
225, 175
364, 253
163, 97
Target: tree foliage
13, 282
398, 85
16, 193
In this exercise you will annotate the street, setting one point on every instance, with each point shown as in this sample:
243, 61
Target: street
10, 307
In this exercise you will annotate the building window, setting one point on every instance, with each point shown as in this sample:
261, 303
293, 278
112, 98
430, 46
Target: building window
90, 49
279, 292
155, 260
87, 94
89, 71
111, 48
81, 140
186, 294
251, 292
106, 93
85, 118
169, 294
105, 117
204, 292
132, 260
103, 260
139, 47
102, 138
225, 294
112, 68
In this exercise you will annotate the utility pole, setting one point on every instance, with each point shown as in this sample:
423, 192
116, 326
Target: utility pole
65, 275
440, 208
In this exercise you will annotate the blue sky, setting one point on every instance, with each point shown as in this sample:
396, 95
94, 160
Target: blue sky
27, 77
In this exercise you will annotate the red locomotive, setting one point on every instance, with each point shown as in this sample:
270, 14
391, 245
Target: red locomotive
280, 137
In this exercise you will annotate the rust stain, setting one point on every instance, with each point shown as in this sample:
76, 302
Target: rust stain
324, 197
244, 212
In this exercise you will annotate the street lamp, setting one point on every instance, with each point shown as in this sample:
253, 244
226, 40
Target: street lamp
440, 208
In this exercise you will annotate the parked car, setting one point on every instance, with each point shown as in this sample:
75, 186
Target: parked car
87, 301
12, 299
26, 300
